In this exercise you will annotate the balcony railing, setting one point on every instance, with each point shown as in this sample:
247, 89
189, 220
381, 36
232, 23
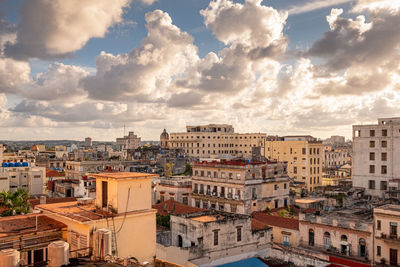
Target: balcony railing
391, 237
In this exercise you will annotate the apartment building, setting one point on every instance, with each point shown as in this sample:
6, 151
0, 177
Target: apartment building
31, 179
336, 157
387, 236
214, 238
176, 188
239, 186
215, 140
304, 156
376, 155
77, 169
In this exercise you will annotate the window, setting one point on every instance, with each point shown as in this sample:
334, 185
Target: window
378, 225
239, 234
294, 170
371, 168
275, 187
311, 237
216, 237
284, 186
303, 151
384, 143
371, 184
384, 156
384, 169
371, 133
343, 238
371, 143
286, 240
384, 132
327, 240
362, 247
371, 156
393, 229
378, 251
383, 185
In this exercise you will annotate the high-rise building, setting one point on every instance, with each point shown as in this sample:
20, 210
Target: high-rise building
215, 140
303, 155
88, 142
376, 158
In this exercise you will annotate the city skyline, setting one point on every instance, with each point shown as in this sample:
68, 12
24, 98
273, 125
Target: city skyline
279, 67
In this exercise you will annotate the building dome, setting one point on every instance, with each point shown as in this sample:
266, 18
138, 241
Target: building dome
164, 135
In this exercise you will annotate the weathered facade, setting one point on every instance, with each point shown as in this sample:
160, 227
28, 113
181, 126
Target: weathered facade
239, 186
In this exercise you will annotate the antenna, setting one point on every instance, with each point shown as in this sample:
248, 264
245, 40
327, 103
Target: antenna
124, 129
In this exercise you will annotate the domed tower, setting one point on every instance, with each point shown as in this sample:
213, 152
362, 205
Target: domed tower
164, 139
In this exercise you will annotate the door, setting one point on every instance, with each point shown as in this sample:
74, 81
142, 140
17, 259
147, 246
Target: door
104, 188
393, 257
38, 256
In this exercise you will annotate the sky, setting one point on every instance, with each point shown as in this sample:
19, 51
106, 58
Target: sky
78, 68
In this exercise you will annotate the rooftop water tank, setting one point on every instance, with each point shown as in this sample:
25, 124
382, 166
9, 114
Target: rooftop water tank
9, 258
58, 254
102, 244
4, 164
11, 164
25, 164
18, 164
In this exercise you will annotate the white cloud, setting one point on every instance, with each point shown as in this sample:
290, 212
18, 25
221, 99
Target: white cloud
315, 5
53, 29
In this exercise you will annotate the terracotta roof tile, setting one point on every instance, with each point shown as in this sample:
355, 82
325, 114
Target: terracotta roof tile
257, 225
175, 208
123, 175
54, 173
278, 221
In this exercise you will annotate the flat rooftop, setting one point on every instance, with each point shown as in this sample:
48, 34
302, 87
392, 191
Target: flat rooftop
123, 175
390, 207
25, 224
71, 210
206, 218
309, 200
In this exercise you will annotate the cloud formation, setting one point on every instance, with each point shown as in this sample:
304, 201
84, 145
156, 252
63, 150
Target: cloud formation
56, 28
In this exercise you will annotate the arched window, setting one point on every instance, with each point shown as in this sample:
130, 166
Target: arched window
327, 240
343, 238
311, 237
362, 247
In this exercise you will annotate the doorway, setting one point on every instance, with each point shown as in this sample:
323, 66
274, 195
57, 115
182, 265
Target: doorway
393, 257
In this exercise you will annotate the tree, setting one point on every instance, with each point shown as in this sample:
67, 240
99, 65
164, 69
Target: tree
15, 202
188, 169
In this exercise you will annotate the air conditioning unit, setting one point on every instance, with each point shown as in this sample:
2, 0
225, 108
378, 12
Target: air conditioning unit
102, 244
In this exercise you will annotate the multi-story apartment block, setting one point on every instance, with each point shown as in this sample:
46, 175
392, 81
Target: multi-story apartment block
31, 179
376, 155
215, 140
77, 169
176, 188
336, 157
239, 186
303, 155
387, 236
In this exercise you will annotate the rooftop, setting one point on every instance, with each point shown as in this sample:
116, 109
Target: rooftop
24, 224
390, 207
309, 200
123, 175
54, 173
175, 208
271, 220
71, 210
35, 201
206, 218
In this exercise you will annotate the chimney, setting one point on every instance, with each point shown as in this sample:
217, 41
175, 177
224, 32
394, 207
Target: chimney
42, 200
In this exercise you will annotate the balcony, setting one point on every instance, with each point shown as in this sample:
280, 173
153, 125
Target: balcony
254, 197
389, 238
222, 195
229, 195
195, 191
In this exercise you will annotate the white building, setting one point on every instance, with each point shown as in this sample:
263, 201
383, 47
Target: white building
31, 179
376, 155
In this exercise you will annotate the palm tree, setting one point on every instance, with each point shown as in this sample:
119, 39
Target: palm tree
14, 202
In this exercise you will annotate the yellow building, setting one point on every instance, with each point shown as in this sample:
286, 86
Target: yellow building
215, 140
122, 205
387, 237
303, 155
